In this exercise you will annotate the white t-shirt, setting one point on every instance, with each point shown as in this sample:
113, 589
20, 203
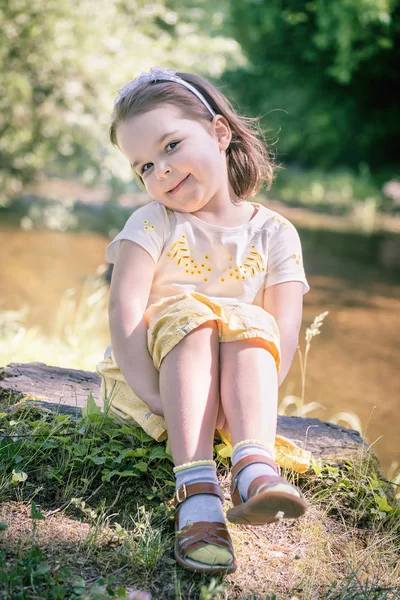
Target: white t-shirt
230, 264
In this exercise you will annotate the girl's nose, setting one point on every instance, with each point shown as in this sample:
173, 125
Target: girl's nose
162, 170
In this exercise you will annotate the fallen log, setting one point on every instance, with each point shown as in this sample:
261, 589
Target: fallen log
67, 390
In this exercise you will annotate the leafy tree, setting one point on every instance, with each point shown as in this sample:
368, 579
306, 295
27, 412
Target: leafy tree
63, 61
324, 74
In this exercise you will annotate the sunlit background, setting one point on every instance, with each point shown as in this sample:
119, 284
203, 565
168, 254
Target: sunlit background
322, 75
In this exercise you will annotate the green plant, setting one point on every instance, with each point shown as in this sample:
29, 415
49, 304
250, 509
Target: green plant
351, 588
58, 457
212, 590
31, 576
353, 491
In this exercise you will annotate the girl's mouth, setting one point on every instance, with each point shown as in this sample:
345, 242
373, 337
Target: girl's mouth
178, 187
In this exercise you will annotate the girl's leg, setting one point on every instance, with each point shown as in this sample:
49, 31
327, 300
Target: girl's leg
249, 394
189, 388
249, 391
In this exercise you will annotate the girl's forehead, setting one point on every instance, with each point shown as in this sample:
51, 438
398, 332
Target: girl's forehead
159, 117
148, 128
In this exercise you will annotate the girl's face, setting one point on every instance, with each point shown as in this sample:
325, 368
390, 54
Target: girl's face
166, 150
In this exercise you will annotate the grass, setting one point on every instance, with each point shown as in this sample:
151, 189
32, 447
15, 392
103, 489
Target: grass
86, 513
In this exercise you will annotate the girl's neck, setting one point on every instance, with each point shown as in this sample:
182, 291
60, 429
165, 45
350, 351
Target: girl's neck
233, 216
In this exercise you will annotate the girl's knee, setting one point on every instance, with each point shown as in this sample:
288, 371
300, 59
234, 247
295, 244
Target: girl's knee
210, 326
205, 333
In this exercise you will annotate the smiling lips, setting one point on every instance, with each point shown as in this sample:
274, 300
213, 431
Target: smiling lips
178, 187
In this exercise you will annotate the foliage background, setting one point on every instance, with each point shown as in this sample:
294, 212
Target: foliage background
322, 74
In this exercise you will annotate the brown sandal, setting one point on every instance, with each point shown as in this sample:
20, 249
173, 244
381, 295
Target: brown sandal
264, 504
192, 537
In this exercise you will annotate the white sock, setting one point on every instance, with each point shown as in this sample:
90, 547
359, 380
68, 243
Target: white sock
249, 473
202, 507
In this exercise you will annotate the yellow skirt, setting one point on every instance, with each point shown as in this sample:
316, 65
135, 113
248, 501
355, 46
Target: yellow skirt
169, 321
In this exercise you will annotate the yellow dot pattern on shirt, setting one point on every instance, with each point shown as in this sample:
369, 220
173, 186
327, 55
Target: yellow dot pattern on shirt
279, 220
180, 253
297, 258
148, 226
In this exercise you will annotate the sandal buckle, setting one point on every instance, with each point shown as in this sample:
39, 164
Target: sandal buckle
177, 494
235, 484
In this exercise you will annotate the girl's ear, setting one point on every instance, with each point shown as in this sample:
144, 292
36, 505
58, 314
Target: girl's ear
222, 132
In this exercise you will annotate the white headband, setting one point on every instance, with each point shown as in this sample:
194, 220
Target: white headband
159, 74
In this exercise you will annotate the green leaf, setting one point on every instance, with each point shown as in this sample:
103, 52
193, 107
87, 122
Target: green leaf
19, 476
80, 449
374, 482
130, 453
98, 460
35, 513
383, 504
333, 471
79, 584
50, 444
158, 452
3, 526
90, 409
142, 466
111, 474
62, 418
224, 451
42, 569
137, 432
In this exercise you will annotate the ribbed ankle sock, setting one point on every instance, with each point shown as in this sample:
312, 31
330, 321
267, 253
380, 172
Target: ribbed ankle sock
202, 507
249, 473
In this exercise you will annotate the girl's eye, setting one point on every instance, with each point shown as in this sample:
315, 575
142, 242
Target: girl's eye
143, 170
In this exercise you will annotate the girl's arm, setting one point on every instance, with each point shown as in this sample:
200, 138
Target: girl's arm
130, 289
284, 301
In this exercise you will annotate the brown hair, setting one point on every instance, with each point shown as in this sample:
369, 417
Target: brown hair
249, 161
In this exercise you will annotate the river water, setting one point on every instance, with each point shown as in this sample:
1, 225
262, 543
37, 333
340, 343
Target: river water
353, 365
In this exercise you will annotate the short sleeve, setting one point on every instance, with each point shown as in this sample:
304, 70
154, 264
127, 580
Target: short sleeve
148, 227
285, 257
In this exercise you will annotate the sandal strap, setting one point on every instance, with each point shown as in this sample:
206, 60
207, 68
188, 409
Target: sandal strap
192, 489
240, 465
264, 482
251, 459
194, 536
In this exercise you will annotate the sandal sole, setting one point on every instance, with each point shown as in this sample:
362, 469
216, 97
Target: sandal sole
267, 507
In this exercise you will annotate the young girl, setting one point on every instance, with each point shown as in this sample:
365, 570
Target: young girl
197, 268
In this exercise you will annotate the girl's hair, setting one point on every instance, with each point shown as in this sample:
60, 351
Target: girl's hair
249, 161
